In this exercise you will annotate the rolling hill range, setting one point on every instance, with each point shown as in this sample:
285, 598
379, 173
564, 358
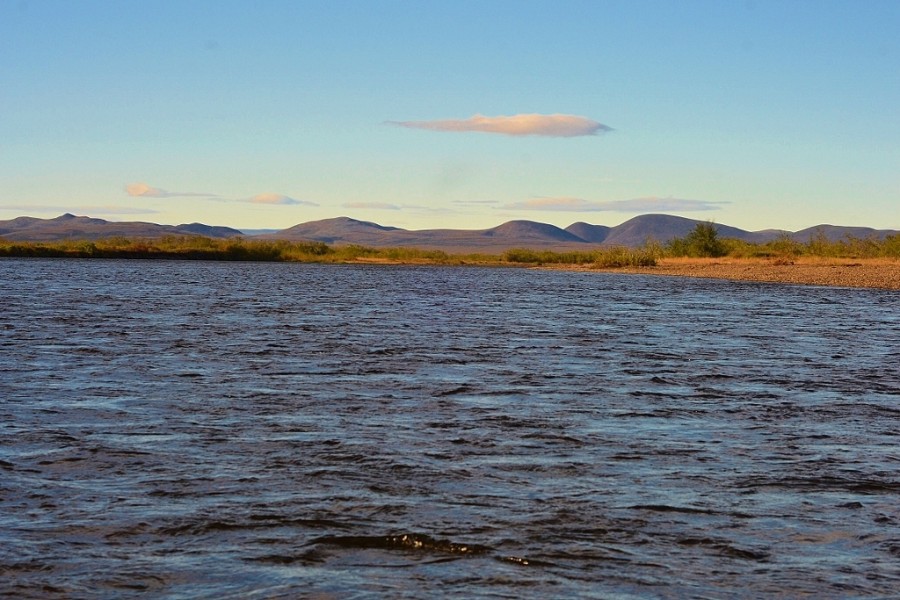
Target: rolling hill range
70, 227
344, 230
530, 234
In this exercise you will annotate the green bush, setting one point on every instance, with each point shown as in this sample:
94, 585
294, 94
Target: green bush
702, 241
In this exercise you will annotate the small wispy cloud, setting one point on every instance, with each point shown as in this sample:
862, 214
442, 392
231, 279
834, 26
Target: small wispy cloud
372, 205
555, 125
553, 204
143, 190
278, 199
646, 204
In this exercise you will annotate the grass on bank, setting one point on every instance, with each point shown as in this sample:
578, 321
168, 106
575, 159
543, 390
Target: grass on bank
606, 258
702, 242
231, 249
238, 249
819, 246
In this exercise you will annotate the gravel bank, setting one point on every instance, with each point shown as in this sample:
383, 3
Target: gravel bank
840, 273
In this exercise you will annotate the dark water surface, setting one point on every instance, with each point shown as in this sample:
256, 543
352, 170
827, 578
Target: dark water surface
222, 430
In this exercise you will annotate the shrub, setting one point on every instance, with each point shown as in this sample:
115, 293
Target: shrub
704, 241
522, 255
785, 246
891, 246
624, 257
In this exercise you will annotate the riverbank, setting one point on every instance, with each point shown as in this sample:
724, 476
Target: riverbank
881, 273
837, 272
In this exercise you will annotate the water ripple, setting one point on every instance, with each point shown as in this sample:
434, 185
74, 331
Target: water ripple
203, 430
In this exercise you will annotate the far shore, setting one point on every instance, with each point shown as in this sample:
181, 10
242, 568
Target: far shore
836, 272
878, 273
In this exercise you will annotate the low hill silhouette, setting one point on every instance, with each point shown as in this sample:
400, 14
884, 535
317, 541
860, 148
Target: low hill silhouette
346, 231
71, 227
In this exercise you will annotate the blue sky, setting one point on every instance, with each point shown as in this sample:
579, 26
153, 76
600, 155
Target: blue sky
458, 114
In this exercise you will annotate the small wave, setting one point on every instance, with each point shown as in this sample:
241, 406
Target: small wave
551, 437
524, 562
861, 485
251, 522
462, 389
725, 549
688, 510
406, 541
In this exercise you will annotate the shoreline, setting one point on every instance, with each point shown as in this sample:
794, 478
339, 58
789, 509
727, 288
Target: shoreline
830, 272
873, 273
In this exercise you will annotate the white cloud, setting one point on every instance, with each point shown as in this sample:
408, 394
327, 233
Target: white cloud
372, 205
555, 125
143, 190
654, 203
279, 199
646, 204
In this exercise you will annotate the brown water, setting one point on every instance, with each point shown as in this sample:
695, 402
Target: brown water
232, 430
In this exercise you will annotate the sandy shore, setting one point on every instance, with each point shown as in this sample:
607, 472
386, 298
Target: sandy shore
869, 273
836, 272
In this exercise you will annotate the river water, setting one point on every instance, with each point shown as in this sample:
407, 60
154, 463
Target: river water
245, 430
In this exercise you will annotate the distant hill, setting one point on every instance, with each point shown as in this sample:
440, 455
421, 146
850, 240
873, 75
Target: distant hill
530, 230
663, 228
594, 234
69, 226
213, 231
834, 233
340, 230
345, 230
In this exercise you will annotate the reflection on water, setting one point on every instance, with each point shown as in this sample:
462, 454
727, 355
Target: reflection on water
222, 430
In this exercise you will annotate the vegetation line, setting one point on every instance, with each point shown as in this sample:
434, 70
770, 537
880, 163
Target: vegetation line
702, 241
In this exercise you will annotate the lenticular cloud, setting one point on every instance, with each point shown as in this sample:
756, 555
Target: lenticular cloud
518, 125
142, 189
269, 198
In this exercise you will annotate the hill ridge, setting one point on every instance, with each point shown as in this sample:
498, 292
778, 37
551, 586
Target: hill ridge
71, 227
518, 233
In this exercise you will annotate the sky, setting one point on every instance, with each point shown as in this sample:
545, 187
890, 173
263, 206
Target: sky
422, 115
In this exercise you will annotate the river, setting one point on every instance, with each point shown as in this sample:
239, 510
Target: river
238, 430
